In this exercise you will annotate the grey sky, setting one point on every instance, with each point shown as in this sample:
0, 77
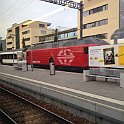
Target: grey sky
17, 11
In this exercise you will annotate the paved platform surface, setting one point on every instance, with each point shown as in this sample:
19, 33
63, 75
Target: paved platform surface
105, 92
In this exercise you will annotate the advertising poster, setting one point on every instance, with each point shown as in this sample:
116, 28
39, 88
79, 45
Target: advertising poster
96, 57
109, 57
121, 56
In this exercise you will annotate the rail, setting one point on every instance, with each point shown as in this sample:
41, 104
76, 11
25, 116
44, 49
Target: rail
51, 113
8, 117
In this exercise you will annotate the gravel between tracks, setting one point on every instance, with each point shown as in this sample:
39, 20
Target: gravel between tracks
65, 114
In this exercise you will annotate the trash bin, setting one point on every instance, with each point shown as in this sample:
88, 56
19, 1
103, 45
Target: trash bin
52, 68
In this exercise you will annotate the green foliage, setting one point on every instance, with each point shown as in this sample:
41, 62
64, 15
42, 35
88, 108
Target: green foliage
56, 35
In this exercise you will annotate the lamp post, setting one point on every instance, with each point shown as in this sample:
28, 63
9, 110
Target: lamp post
32, 57
12, 36
1, 44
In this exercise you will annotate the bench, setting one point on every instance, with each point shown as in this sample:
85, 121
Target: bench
100, 76
92, 77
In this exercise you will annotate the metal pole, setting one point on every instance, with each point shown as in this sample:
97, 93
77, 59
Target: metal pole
31, 58
13, 49
81, 19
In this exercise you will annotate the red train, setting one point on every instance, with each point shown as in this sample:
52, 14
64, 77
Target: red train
71, 55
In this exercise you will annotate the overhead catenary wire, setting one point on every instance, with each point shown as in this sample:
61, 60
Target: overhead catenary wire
7, 10
14, 12
11, 15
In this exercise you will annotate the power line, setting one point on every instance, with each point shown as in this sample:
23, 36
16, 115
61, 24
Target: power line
9, 7
17, 10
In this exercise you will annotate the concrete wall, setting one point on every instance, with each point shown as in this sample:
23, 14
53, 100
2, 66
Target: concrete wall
93, 111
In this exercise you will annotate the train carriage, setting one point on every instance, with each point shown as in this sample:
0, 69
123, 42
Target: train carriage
67, 55
9, 57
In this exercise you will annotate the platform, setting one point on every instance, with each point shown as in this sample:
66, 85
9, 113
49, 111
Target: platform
104, 94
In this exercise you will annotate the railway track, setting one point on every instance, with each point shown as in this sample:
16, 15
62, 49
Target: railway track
22, 111
5, 119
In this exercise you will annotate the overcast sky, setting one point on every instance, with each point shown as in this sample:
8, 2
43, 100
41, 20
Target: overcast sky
17, 11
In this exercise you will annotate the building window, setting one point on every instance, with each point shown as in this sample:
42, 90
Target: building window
91, 11
9, 48
95, 24
59, 36
43, 32
86, 13
26, 39
103, 22
95, 10
9, 43
42, 25
26, 32
9, 37
10, 30
105, 7
24, 26
66, 35
71, 34
101, 36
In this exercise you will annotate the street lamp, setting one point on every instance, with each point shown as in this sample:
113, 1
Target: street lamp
12, 36
32, 56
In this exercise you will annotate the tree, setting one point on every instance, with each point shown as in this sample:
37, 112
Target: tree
56, 35
1, 47
23, 43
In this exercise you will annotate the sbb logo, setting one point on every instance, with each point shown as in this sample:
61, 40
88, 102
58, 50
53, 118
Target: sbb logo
65, 57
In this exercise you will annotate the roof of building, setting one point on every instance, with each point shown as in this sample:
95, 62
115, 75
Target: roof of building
31, 21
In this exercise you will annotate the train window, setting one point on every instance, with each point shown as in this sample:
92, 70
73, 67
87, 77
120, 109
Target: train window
85, 50
15, 56
6, 56
10, 56
3, 56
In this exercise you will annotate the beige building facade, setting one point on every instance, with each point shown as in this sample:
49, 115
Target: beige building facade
101, 18
27, 32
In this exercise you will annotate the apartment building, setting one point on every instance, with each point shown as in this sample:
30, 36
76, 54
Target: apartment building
26, 32
67, 34
101, 18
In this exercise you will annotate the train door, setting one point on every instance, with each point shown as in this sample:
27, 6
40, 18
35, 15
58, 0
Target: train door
86, 56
